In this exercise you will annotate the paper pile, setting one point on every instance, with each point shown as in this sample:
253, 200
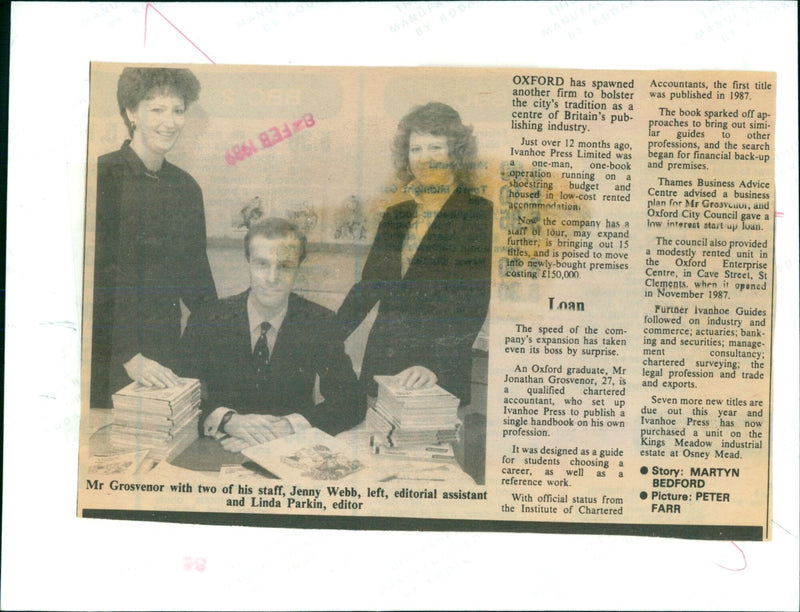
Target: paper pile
162, 420
415, 424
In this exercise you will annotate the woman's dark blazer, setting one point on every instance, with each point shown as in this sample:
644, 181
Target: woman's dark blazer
431, 315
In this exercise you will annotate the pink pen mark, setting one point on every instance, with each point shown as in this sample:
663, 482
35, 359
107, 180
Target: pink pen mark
198, 564
778, 214
177, 29
735, 569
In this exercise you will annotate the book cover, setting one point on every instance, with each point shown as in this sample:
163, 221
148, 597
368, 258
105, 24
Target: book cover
169, 395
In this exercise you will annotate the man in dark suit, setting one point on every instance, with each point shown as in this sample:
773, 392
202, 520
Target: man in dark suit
259, 352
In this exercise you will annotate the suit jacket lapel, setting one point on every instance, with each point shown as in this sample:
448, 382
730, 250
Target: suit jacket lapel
241, 327
286, 340
405, 215
439, 231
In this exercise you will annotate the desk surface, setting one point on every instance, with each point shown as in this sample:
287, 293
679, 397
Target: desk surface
207, 455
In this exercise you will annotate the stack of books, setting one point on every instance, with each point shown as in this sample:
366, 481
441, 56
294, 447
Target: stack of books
161, 420
415, 424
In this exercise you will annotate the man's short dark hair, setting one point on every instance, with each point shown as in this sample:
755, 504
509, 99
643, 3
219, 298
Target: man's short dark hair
272, 228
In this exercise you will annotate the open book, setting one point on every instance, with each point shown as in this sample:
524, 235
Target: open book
309, 455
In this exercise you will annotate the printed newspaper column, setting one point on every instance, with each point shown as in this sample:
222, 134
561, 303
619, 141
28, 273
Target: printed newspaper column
632, 262
707, 287
565, 238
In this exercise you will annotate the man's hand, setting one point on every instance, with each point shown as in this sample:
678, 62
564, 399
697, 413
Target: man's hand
234, 445
251, 429
281, 427
416, 377
149, 373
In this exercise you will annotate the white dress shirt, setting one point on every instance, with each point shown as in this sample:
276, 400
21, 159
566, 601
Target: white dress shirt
254, 320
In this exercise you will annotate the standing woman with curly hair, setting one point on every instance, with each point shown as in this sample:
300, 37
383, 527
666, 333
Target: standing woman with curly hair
430, 264
150, 238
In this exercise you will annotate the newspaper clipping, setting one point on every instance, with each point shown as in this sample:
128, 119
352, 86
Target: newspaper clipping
430, 298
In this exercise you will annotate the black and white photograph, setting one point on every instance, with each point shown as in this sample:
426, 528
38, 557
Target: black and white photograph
276, 286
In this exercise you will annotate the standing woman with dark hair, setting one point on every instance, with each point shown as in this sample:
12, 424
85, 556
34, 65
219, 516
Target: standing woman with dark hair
430, 263
150, 238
